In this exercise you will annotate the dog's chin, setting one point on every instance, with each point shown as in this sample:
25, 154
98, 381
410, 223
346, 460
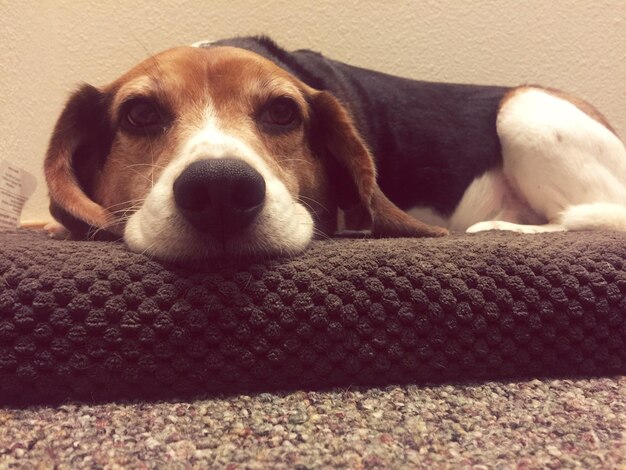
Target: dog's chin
173, 240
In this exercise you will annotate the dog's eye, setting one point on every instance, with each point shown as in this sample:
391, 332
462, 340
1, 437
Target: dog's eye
282, 111
141, 115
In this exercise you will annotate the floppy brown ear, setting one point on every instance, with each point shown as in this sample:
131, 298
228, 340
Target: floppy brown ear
79, 145
355, 176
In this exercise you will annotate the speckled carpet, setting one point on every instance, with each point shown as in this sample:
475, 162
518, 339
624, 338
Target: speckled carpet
521, 425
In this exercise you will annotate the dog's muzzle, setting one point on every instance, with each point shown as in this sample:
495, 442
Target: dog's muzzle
219, 196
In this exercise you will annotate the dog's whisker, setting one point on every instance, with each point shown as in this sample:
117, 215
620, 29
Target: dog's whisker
126, 203
301, 199
150, 165
141, 175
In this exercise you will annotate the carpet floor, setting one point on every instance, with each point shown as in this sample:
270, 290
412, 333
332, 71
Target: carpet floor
521, 425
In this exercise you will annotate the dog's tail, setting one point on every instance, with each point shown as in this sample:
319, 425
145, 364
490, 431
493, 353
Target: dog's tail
595, 216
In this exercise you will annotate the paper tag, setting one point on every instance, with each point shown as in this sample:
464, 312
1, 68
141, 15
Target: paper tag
16, 186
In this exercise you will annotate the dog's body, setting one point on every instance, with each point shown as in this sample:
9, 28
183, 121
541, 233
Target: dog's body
463, 157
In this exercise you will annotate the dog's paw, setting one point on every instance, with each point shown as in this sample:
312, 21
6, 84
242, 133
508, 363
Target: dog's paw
511, 227
490, 225
437, 231
57, 231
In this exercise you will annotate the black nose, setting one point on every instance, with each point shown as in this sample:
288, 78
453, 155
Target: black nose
220, 196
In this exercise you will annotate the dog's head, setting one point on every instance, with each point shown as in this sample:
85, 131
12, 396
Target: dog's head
197, 153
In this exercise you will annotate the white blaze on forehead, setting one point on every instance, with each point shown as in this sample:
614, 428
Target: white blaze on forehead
208, 140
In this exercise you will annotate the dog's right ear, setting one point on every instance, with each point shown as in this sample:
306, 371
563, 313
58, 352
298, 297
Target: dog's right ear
353, 173
80, 143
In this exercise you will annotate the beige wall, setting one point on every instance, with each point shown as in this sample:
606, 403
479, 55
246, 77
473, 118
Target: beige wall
49, 46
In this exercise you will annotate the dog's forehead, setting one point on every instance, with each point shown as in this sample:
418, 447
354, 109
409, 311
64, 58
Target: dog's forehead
217, 69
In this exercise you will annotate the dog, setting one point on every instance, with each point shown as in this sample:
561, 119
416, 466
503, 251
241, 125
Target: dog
238, 147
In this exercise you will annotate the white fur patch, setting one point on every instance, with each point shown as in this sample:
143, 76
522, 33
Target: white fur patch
557, 156
562, 170
488, 197
598, 216
283, 226
491, 197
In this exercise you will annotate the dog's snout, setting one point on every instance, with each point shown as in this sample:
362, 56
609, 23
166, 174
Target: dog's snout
219, 196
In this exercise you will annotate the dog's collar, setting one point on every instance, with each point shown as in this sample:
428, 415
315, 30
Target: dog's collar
203, 44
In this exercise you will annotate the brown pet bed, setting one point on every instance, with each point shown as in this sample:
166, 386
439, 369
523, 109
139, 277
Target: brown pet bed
92, 321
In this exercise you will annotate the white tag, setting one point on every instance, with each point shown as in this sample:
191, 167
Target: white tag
16, 186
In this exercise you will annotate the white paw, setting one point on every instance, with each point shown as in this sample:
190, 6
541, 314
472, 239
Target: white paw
511, 227
57, 231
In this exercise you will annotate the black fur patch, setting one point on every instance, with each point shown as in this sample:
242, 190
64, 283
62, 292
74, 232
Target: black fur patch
429, 140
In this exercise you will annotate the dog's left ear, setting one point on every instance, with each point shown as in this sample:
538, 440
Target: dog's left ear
80, 143
353, 172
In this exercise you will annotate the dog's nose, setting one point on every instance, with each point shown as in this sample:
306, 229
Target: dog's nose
220, 196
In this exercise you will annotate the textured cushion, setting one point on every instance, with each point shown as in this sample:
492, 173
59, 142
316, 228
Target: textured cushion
90, 320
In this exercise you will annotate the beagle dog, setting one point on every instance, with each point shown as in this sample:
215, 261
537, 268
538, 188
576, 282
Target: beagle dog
239, 147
